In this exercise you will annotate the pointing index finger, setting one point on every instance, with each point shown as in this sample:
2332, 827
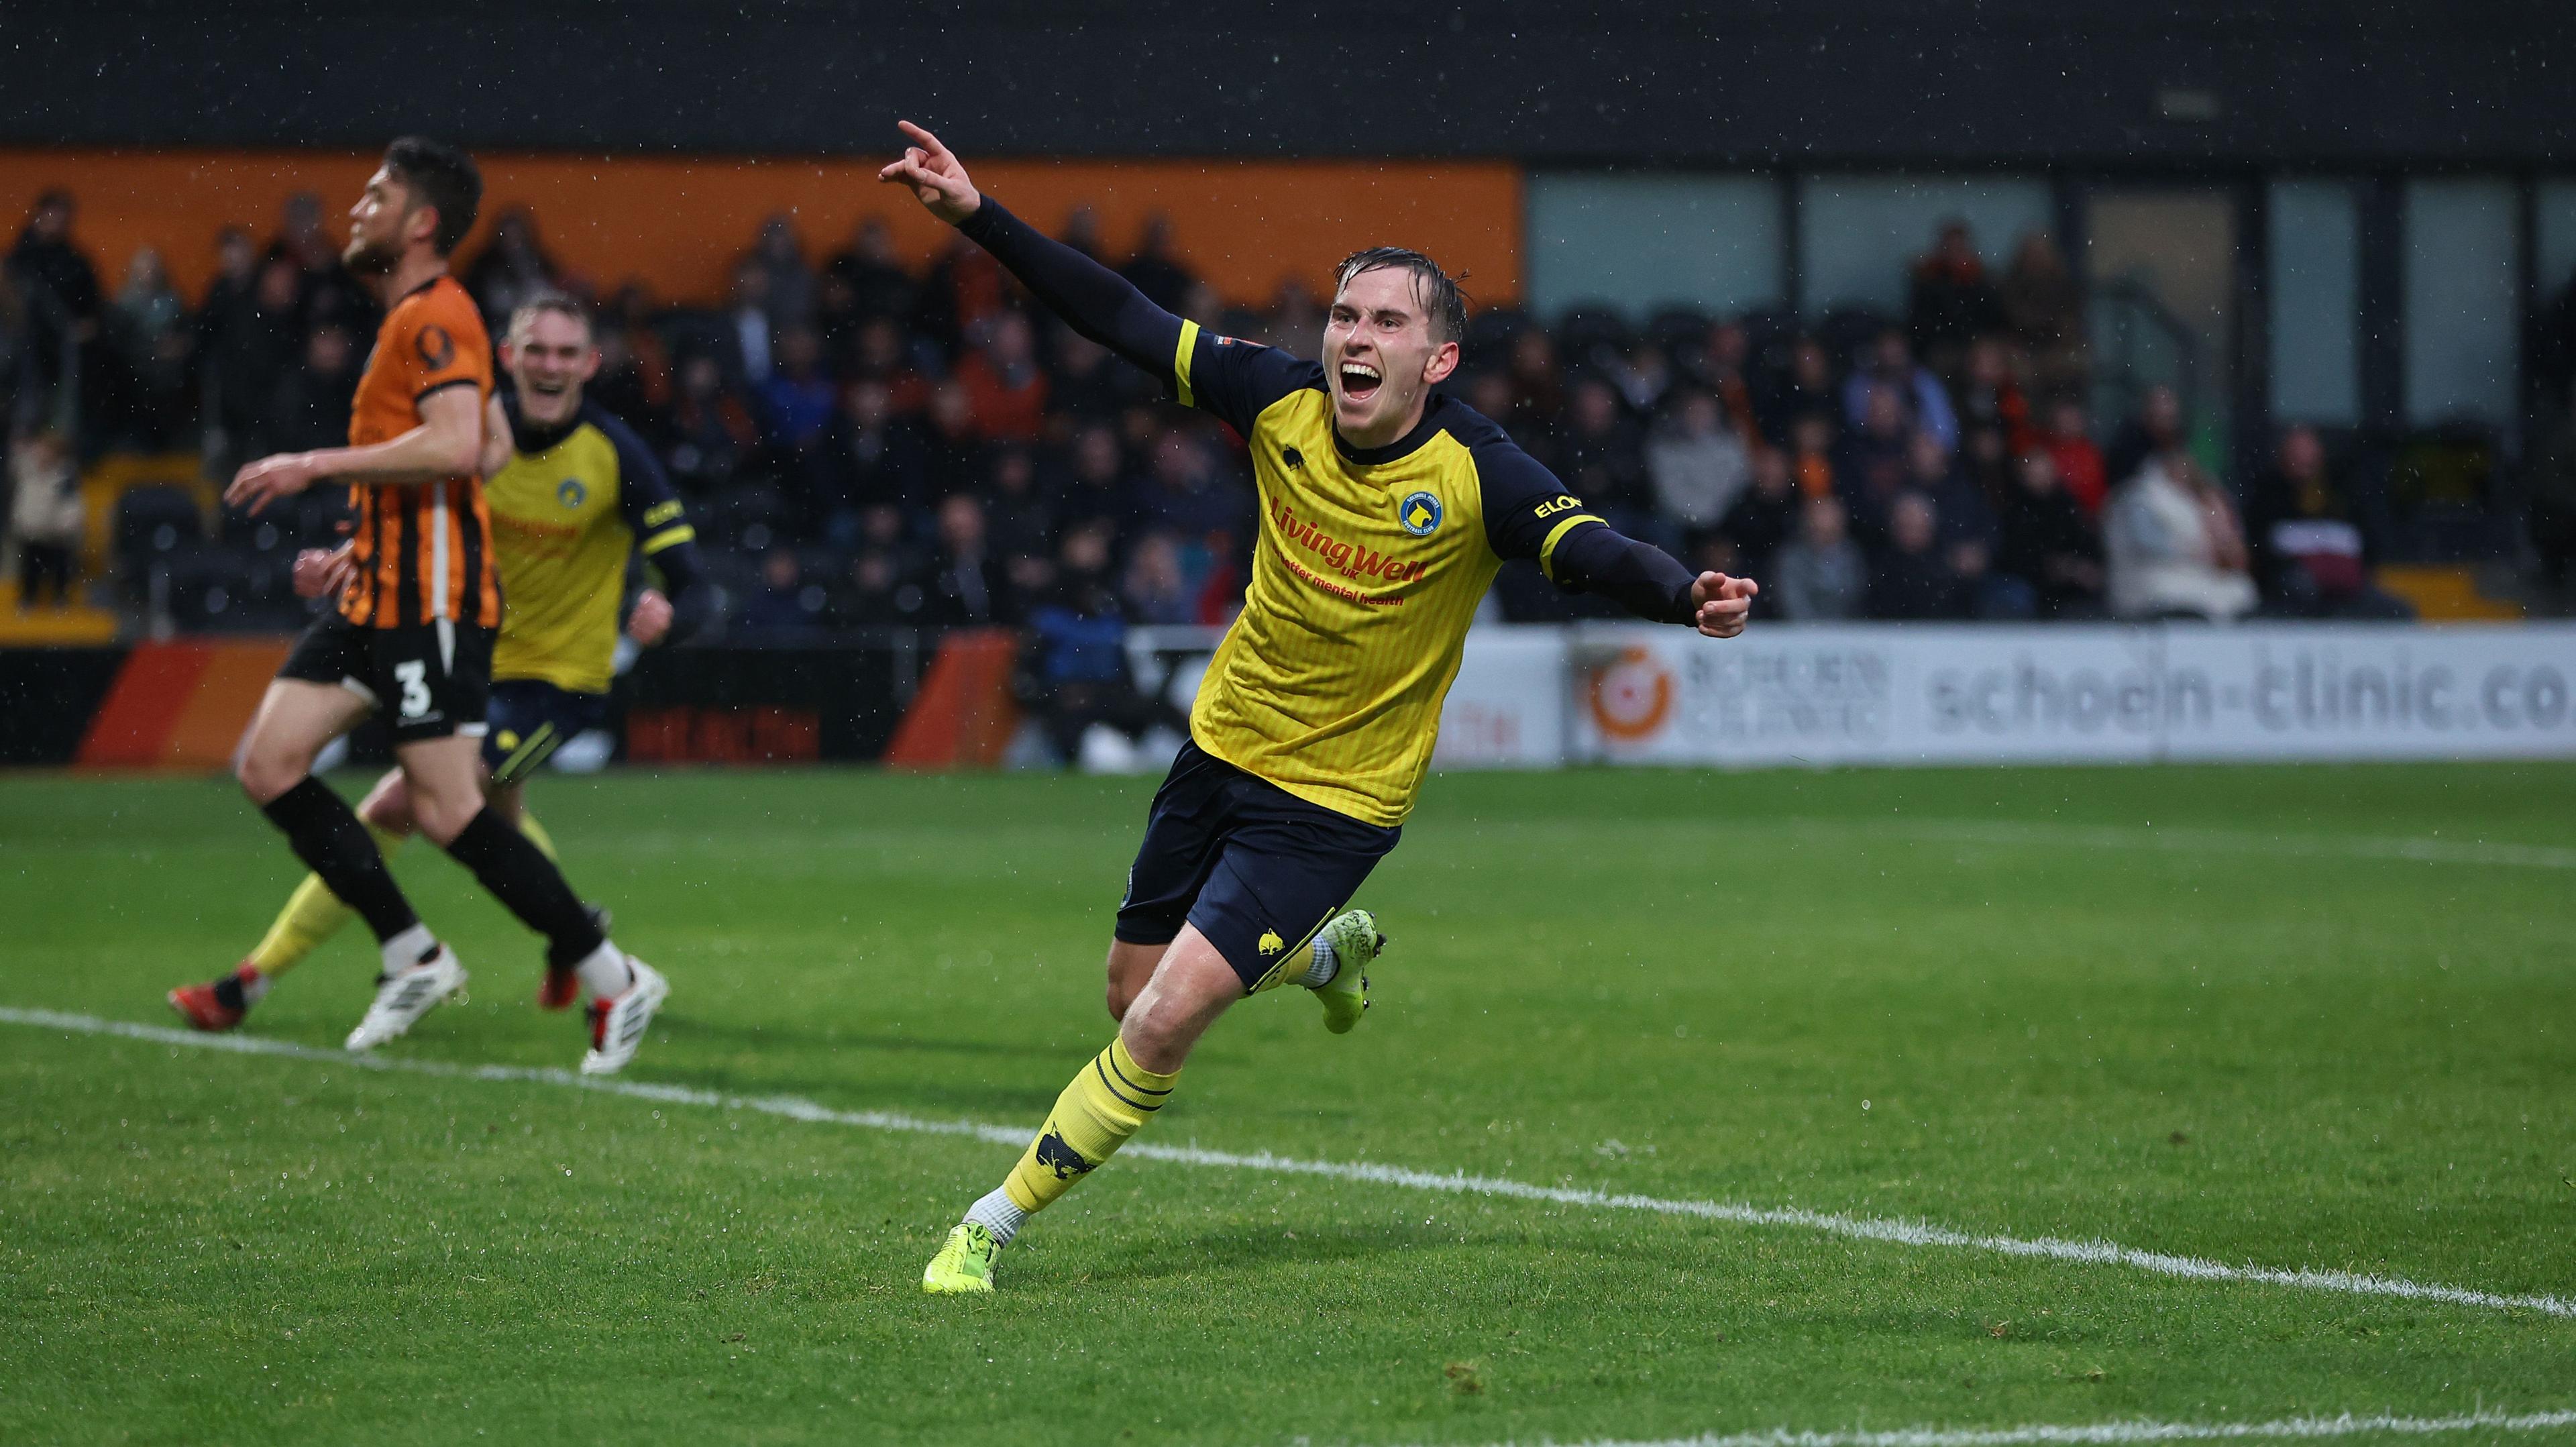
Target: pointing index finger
929, 142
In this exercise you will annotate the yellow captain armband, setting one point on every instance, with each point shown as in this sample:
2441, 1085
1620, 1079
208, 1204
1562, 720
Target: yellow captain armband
1547, 550
669, 538
662, 512
1181, 361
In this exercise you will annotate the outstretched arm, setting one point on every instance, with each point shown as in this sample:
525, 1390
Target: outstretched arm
1092, 299
1649, 582
1529, 515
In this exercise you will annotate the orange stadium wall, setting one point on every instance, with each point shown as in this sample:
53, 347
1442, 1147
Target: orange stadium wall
679, 223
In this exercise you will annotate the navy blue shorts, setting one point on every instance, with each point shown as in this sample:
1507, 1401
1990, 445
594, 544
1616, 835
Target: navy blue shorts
1256, 868
530, 719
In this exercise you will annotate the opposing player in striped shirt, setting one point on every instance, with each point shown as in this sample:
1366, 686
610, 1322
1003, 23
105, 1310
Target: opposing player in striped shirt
412, 632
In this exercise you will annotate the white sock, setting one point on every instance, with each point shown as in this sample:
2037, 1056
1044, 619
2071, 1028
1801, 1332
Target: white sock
1328, 963
999, 1214
603, 972
409, 948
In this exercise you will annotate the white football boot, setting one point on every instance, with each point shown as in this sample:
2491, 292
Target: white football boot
617, 1025
405, 995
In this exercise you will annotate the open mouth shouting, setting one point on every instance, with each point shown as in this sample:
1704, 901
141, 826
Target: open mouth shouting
1360, 381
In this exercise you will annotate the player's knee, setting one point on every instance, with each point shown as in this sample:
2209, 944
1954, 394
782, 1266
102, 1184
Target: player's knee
265, 773
389, 810
441, 817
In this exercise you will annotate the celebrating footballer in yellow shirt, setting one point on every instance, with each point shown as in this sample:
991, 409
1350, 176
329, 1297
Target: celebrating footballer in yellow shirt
1386, 508
573, 494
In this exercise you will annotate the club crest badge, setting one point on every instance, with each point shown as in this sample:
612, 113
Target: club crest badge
1419, 512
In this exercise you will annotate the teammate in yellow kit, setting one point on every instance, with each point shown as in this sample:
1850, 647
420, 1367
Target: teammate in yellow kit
1386, 508
572, 493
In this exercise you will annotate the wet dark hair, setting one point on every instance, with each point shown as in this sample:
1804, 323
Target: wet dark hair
1432, 287
439, 176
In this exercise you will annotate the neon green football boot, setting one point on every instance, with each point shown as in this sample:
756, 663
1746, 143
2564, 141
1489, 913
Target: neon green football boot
965, 1264
1355, 940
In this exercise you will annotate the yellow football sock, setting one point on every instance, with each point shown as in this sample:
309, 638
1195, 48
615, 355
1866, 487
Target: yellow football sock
537, 836
312, 914
1094, 1117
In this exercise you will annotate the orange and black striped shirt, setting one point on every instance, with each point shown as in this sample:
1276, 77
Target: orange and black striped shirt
423, 550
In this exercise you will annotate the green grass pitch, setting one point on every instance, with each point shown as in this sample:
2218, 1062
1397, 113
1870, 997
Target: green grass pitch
2300, 1018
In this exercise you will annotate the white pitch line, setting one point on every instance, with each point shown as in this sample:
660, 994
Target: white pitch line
1857, 1228
2301, 1428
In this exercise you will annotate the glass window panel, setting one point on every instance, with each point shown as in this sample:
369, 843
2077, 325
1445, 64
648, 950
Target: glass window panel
1638, 243
1858, 236
2462, 301
2315, 290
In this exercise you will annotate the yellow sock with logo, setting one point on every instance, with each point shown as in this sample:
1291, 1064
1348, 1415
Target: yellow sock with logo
1104, 1105
312, 914
537, 836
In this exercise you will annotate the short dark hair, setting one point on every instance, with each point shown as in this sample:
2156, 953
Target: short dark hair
440, 176
1432, 287
562, 303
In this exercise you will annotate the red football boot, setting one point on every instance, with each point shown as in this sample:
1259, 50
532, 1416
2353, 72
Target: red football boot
561, 986
198, 1006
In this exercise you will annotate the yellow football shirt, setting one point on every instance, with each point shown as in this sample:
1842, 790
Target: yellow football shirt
1367, 569
571, 505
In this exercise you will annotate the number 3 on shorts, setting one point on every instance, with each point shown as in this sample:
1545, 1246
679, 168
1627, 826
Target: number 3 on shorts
414, 678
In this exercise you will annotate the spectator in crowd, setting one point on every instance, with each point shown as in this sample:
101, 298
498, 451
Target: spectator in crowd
634, 378
1950, 303
325, 291
153, 345
1725, 370
309, 405
45, 517
2049, 542
1699, 465
1875, 465
796, 402
1991, 396
1912, 581
1297, 323
1089, 385
1969, 536
787, 283
1078, 657
2081, 470
1811, 455
952, 453
878, 286
867, 460
785, 604
710, 429
58, 287
1643, 375
1538, 392
2174, 544
883, 593
1820, 576
1157, 589
967, 586
1094, 478
749, 337
2043, 307
1182, 494
1599, 459
1890, 368
1002, 377
1156, 271
1806, 389
2310, 549
1764, 517
1020, 517
2159, 428
512, 266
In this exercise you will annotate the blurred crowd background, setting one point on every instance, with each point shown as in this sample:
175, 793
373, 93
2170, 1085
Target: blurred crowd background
867, 443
